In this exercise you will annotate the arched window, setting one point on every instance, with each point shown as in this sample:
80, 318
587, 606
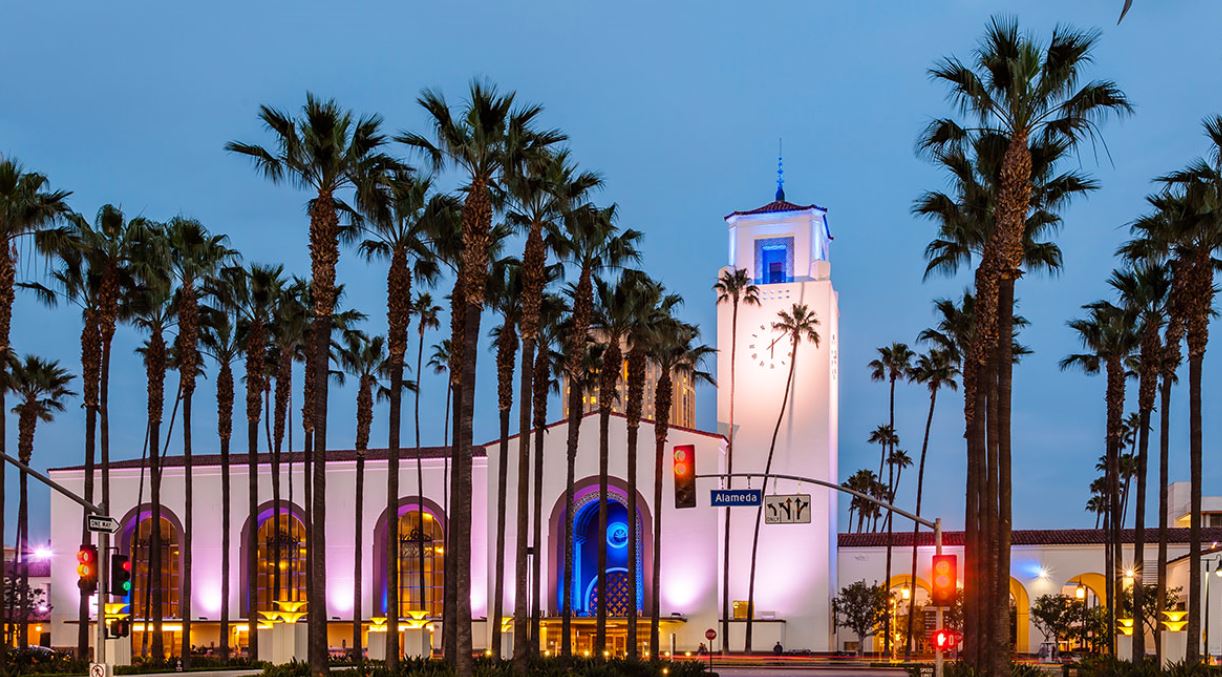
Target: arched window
280, 558
420, 532
416, 530
136, 540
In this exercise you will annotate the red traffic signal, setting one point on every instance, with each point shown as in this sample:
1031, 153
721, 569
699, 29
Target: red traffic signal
945, 639
685, 475
945, 577
87, 568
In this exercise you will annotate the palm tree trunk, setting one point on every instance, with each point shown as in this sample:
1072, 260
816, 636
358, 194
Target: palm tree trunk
225, 567
4, 610
498, 585
539, 393
393, 545
188, 527
1164, 449
662, 401
1139, 539
23, 554
318, 645
990, 520
156, 565
521, 622
1005, 372
358, 653
252, 536
916, 526
277, 551
574, 431
1195, 360
462, 496
890, 499
450, 625
759, 514
725, 559
608, 377
424, 600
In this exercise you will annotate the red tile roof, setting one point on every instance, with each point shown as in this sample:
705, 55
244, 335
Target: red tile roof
240, 457
1024, 537
37, 568
774, 207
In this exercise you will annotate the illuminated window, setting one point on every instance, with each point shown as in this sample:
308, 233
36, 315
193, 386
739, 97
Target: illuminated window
413, 537
140, 549
282, 561
774, 260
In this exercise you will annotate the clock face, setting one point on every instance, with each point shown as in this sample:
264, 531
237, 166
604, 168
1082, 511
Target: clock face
768, 348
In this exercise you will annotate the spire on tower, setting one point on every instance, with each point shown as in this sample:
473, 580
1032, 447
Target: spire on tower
780, 171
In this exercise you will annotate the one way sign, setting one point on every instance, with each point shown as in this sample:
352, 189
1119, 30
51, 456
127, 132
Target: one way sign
102, 524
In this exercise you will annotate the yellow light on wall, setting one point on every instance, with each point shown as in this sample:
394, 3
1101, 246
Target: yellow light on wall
1175, 626
1174, 616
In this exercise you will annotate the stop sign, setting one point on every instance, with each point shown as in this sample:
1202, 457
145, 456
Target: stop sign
710, 634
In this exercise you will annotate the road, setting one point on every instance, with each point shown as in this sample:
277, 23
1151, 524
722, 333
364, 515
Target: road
822, 671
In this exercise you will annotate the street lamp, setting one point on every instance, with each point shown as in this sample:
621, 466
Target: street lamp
1080, 591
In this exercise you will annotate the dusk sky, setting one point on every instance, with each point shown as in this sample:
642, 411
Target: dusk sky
679, 105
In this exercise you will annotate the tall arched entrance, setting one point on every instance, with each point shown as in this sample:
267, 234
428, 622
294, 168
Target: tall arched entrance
620, 570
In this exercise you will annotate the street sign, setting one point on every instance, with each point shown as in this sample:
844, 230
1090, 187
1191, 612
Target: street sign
734, 498
710, 634
103, 524
787, 509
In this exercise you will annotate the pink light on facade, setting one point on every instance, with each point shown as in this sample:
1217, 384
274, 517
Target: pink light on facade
42, 553
339, 595
210, 599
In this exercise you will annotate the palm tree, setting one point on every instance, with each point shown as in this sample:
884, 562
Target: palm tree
863, 482
893, 363
547, 364
489, 135
674, 348
884, 436
152, 307
222, 345
195, 255
250, 293
1028, 92
733, 286
541, 192
41, 386
398, 233
935, 369
364, 358
1144, 290
504, 293
106, 244
593, 243
426, 313
1109, 338
28, 205
798, 324
619, 307
1188, 228
324, 151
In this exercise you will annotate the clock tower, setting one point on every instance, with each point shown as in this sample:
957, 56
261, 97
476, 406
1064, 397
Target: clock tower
785, 249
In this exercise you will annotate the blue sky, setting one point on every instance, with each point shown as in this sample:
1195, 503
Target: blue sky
679, 105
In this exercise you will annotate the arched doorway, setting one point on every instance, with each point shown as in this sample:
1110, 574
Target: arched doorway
421, 531
584, 595
280, 558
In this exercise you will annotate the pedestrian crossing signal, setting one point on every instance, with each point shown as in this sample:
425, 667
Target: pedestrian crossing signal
685, 475
946, 640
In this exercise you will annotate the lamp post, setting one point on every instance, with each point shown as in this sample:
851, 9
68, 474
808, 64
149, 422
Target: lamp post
1217, 572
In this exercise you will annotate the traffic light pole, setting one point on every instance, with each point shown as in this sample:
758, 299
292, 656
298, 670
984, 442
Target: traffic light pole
103, 550
938, 666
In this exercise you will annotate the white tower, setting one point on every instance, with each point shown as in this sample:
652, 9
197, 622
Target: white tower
785, 249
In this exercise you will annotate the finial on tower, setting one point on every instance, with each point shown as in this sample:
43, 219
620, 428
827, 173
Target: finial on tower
780, 171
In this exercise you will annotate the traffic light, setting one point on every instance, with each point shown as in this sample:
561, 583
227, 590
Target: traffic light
945, 640
685, 475
944, 580
120, 575
87, 569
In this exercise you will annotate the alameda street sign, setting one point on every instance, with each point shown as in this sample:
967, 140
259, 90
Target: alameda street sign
735, 498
